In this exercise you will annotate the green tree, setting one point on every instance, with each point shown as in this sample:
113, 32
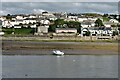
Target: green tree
56, 23
98, 23
105, 15
118, 25
64, 24
88, 33
52, 28
59, 22
113, 25
21, 25
9, 17
115, 33
74, 24
29, 25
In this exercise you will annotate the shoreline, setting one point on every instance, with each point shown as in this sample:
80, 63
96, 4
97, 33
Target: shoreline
69, 48
59, 39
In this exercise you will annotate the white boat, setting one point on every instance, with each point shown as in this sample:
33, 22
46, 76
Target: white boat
58, 52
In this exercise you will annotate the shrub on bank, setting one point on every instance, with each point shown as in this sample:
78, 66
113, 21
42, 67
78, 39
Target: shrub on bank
18, 31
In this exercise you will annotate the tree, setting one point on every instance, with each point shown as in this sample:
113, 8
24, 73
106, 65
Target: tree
60, 23
105, 15
115, 33
113, 25
52, 28
9, 17
88, 33
118, 25
21, 25
29, 25
74, 24
98, 23
56, 23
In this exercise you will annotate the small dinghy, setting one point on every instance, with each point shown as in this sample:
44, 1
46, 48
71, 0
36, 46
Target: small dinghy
58, 52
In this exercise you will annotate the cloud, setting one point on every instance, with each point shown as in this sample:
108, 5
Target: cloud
77, 4
38, 11
3, 12
73, 7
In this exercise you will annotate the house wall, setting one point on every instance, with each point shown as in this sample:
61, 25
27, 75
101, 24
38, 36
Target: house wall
29, 21
19, 17
17, 26
6, 24
107, 25
42, 29
60, 31
86, 26
97, 32
113, 21
81, 19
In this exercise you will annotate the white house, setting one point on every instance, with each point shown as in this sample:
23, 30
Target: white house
19, 17
52, 18
33, 26
17, 26
45, 22
82, 19
42, 29
29, 20
32, 16
100, 31
66, 30
87, 23
96, 31
2, 18
93, 19
1, 33
47, 14
17, 22
83, 31
108, 24
72, 18
114, 21
6, 24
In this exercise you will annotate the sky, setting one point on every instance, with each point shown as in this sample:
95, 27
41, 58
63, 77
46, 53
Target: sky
10, 7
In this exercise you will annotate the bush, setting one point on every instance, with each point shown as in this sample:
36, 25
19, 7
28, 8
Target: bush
88, 33
19, 31
115, 33
7, 30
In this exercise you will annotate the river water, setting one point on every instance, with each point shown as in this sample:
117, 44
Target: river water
67, 66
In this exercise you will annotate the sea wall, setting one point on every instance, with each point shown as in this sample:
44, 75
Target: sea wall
62, 38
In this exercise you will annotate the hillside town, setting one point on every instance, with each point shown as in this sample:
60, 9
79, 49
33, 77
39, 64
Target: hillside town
48, 23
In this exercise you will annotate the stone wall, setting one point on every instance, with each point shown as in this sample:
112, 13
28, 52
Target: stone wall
58, 38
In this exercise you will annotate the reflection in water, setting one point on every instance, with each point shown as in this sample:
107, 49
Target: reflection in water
80, 66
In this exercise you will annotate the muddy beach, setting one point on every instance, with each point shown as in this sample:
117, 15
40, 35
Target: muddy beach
11, 47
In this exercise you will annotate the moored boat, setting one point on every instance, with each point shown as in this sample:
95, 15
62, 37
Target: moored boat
58, 52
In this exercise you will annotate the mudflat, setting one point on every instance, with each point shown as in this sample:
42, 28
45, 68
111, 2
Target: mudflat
12, 47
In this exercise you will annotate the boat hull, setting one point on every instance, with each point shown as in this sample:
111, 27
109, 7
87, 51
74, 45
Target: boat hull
58, 53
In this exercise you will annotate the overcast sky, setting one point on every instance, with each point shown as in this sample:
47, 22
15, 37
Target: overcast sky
72, 7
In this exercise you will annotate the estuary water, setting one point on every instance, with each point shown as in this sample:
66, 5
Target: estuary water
67, 66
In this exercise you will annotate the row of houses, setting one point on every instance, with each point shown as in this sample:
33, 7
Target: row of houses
34, 18
42, 22
94, 31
